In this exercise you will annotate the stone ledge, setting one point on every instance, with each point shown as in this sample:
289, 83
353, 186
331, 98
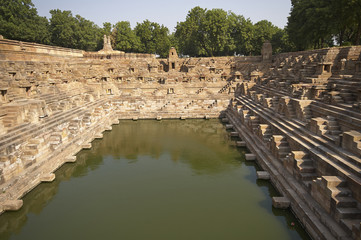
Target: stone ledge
281, 202
234, 134
70, 159
241, 144
263, 175
250, 157
86, 146
12, 205
48, 177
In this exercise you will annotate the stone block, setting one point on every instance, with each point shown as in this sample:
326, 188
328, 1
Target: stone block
86, 146
241, 144
250, 157
98, 136
234, 134
280, 202
229, 126
351, 141
70, 159
12, 205
48, 177
115, 121
263, 175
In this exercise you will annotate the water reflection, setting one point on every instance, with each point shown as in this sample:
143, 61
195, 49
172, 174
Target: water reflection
209, 142
134, 155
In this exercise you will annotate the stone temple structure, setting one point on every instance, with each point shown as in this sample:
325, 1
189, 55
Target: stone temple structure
298, 113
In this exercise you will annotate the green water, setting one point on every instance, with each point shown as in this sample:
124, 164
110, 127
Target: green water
155, 180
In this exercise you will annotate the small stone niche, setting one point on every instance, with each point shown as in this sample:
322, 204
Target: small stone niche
3, 95
170, 91
327, 68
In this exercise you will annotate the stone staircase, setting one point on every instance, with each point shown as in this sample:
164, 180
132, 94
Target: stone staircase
199, 90
303, 167
336, 198
225, 88
280, 147
264, 131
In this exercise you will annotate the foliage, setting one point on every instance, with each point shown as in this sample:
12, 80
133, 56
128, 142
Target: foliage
125, 38
321, 23
241, 31
19, 20
187, 32
72, 32
215, 32
153, 38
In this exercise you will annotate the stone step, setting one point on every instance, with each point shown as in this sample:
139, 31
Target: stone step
351, 224
348, 213
283, 144
305, 168
344, 202
31, 146
332, 128
48, 124
335, 132
324, 150
308, 140
340, 192
284, 148
28, 160
308, 177
30, 152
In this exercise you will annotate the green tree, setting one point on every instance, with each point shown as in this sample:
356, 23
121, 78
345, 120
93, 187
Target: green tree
205, 33
347, 14
19, 20
87, 34
281, 43
317, 23
153, 38
214, 37
125, 38
241, 31
188, 32
62, 28
263, 30
216, 32
73, 32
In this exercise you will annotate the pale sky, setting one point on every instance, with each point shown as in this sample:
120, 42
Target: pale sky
164, 12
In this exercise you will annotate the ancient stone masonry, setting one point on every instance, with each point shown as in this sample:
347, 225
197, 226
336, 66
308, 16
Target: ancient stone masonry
298, 113
302, 121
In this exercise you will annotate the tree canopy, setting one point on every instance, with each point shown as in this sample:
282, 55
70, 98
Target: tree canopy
213, 32
323, 23
19, 20
154, 38
216, 32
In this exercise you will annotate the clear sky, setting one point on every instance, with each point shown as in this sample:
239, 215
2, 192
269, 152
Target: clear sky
164, 12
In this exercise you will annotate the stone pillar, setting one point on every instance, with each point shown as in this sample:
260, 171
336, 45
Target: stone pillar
267, 51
